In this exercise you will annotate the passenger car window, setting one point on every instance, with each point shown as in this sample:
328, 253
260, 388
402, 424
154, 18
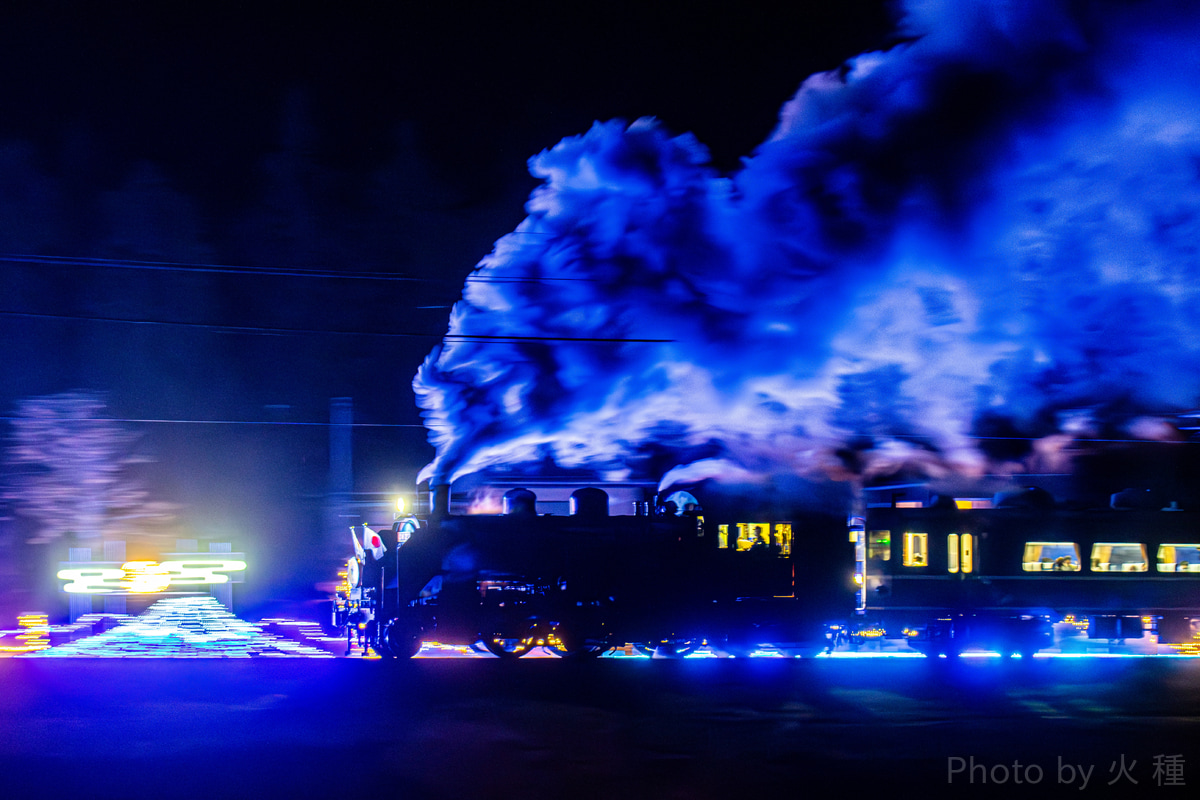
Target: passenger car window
1051, 557
879, 545
1118, 557
960, 552
1179, 558
916, 549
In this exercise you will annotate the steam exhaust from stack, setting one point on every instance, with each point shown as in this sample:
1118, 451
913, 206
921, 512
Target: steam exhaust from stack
968, 254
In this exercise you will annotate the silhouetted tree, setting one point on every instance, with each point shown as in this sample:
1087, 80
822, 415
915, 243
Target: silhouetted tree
70, 467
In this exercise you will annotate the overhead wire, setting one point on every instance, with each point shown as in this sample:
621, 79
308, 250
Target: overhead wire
291, 272
284, 331
274, 272
235, 422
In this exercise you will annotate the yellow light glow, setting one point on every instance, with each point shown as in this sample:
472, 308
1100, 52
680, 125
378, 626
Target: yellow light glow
968, 503
146, 577
35, 636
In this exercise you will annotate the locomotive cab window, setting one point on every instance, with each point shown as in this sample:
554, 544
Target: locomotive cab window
1179, 558
753, 534
916, 549
783, 538
1051, 557
1118, 557
879, 545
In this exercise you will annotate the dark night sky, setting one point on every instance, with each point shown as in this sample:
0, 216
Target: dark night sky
280, 140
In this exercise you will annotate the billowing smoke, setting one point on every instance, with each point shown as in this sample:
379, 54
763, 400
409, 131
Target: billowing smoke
955, 256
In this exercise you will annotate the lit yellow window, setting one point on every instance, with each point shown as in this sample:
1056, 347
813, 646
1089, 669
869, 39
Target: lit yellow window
723, 536
968, 503
1179, 558
952, 552
879, 545
1051, 557
916, 549
1118, 557
752, 533
967, 545
783, 537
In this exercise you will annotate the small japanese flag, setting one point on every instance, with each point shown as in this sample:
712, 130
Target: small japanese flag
373, 542
358, 548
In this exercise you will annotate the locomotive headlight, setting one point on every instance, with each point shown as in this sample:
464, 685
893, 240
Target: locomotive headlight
399, 507
858, 579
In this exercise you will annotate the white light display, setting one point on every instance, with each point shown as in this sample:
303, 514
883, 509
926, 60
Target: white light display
148, 577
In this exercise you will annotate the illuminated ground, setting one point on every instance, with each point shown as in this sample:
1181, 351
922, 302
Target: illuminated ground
547, 728
200, 627
180, 627
243, 716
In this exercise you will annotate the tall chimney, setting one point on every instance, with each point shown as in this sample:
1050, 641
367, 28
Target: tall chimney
341, 470
341, 464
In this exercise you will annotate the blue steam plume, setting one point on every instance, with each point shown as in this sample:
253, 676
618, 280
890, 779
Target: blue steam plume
991, 226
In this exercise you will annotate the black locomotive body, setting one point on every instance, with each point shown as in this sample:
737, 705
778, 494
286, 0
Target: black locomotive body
948, 574
580, 584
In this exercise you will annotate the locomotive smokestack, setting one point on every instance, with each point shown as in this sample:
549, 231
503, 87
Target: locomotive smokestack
439, 500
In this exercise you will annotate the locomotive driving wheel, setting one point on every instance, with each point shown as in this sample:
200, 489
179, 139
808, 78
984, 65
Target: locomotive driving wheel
668, 648
400, 640
567, 642
507, 646
511, 641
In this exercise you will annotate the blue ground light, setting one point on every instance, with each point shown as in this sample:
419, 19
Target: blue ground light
200, 627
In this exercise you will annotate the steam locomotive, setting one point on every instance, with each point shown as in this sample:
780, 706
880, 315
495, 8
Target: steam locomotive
929, 572
666, 579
